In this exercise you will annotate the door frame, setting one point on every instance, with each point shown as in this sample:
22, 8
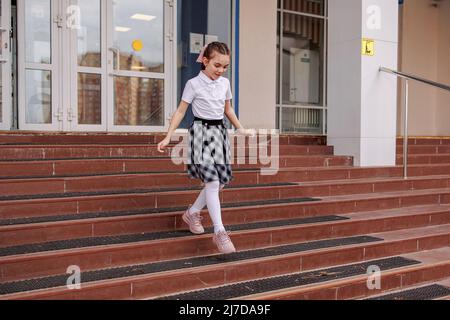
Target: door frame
64, 71
71, 61
53, 67
5, 61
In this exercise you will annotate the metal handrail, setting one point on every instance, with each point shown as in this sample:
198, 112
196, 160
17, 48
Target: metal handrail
416, 78
408, 77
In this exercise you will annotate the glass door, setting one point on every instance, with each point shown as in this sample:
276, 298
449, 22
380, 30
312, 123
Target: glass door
95, 65
5, 65
140, 44
87, 74
38, 64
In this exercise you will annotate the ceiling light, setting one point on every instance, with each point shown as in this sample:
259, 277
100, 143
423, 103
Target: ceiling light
144, 17
122, 29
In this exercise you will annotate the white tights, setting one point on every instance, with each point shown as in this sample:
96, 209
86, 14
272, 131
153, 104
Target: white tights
210, 197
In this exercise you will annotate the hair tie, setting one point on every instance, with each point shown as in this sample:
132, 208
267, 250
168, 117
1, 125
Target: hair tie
202, 53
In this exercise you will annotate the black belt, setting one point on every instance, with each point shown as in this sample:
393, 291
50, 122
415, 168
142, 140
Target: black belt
209, 122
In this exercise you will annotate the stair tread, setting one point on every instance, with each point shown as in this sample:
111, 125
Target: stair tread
442, 283
134, 214
142, 238
423, 257
168, 190
183, 173
371, 239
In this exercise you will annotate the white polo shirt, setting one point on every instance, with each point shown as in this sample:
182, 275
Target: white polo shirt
207, 96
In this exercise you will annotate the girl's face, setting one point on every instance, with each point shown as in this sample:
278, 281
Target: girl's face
217, 65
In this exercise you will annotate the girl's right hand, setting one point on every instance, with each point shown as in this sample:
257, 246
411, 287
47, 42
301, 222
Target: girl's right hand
163, 144
246, 132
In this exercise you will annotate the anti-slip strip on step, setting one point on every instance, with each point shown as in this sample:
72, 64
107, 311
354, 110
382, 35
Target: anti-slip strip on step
424, 293
116, 158
290, 281
111, 174
136, 191
109, 214
132, 238
121, 272
88, 158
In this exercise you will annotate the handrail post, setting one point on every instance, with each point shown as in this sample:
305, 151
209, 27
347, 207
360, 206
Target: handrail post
405, 135
408, 77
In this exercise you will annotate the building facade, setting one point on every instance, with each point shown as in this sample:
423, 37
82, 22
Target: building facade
297, 65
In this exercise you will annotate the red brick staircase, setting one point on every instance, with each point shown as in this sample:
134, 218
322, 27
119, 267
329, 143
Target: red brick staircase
111, 205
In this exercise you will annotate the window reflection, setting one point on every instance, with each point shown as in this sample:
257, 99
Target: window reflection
89, 34
137, 21
138, 101
305, 6
38, 31
1, 93
38, 97
303, 60
89, 98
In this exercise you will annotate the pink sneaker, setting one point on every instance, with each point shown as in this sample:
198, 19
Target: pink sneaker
193, 220
223, 242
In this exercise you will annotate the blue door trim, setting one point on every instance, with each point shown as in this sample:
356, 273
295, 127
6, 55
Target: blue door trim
236, 63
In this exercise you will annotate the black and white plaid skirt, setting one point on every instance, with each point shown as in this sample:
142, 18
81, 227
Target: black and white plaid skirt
209, 152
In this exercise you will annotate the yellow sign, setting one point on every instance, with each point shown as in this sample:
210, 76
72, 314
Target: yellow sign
137, 45
368, 47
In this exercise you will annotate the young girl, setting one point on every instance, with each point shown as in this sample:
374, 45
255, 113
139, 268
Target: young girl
209, 147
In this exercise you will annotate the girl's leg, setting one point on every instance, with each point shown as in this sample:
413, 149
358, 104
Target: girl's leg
200, 203
213, 203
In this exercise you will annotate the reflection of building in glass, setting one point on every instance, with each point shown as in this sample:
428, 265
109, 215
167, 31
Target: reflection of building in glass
303, 26
1, 94
303, 58
89, 98
89, 59
90, 92
138, 101
39, 93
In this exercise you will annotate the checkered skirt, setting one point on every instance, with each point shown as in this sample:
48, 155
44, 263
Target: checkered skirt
209, 153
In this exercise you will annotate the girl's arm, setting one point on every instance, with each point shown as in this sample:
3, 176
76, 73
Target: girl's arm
174, 123
229, 112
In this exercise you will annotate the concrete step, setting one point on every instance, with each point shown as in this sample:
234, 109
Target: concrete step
166, 220
24, 138
425, 159
434, 266
98, 183
434, 290
425, 149
64, 168
16, 207
238, 268
40, 152
425, 141
102, 252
